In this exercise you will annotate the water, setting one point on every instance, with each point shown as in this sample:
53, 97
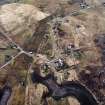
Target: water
8, 1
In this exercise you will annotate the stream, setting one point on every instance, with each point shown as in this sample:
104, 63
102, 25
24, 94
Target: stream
69, 88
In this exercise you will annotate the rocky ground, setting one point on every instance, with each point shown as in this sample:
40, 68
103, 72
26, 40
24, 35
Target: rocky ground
63, 37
